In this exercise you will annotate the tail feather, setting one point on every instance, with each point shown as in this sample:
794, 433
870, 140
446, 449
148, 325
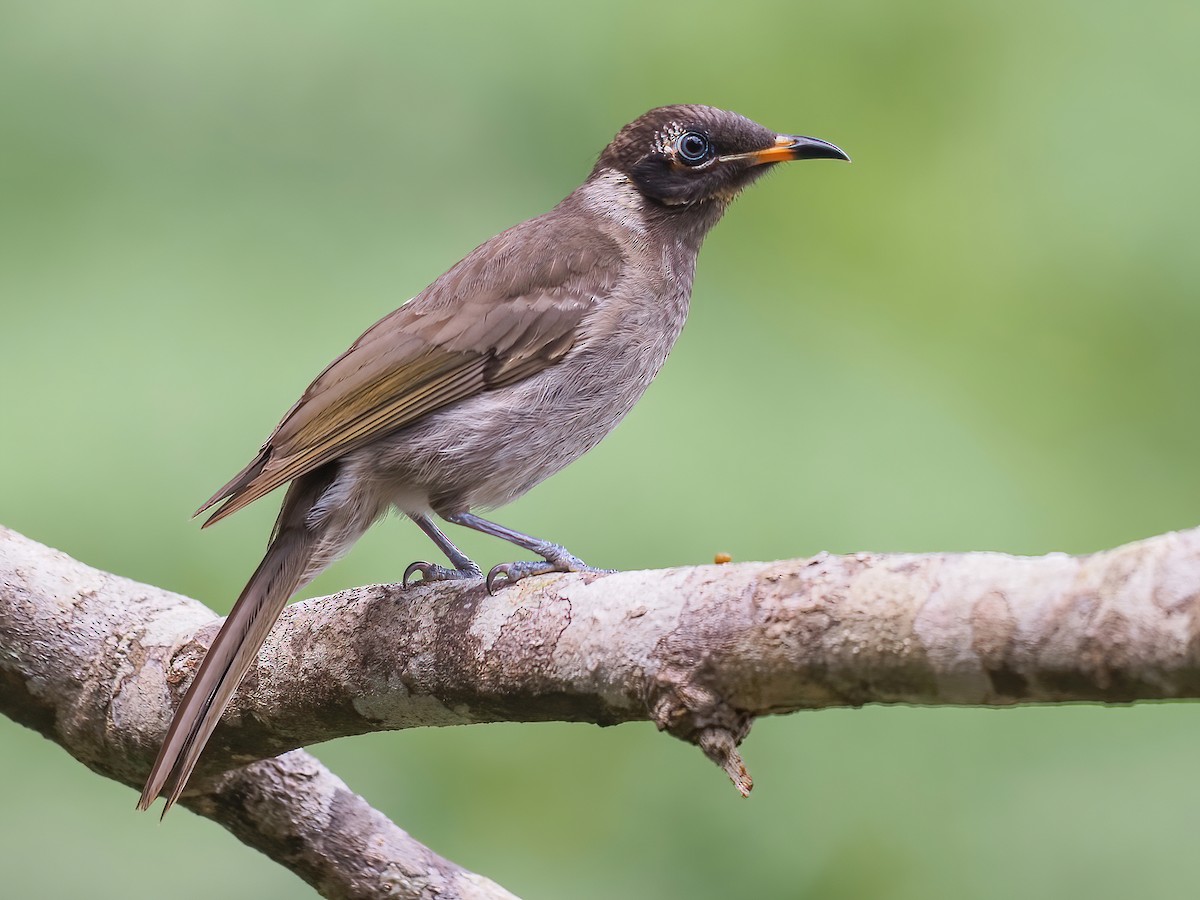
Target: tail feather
284, 567
226, 663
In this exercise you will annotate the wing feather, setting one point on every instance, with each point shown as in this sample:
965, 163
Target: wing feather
509, 310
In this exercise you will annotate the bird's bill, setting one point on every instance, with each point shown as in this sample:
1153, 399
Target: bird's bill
788, 147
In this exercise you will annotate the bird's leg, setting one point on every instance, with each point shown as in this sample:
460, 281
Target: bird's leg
555, 557
464, 568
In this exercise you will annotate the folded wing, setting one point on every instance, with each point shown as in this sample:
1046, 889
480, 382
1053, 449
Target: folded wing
510, 309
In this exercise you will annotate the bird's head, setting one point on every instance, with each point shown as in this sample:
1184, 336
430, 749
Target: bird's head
685, 155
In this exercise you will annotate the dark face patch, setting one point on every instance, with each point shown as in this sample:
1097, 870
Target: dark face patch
674, 154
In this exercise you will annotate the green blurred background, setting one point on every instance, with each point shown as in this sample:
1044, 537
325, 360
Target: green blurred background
982, 334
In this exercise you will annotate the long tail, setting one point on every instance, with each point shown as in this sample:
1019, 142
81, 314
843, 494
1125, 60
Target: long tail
237, 644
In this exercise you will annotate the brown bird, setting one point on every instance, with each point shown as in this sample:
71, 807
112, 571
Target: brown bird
508, 367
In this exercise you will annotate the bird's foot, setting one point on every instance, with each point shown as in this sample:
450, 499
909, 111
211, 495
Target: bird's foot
557, 560
433, 572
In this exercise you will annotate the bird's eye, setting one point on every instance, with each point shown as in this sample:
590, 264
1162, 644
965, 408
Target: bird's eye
693, 148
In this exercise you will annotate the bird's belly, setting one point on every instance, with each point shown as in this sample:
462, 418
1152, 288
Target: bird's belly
486, 451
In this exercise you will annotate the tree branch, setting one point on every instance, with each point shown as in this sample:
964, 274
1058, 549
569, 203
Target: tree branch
96, 663
81, 662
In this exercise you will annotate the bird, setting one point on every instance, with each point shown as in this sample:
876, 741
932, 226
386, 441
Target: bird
511, 365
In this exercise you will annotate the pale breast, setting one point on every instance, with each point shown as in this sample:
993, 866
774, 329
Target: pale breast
488, 450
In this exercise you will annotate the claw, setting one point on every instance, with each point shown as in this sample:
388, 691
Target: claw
494, 573
418, 566
433, 572
516, 571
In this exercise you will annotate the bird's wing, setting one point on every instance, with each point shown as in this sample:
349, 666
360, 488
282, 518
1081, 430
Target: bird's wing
510, 309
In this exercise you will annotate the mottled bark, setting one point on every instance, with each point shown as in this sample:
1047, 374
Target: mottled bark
96, 663
80, 659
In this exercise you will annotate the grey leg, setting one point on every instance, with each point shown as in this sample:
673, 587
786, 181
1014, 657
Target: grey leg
464, 568
555, 557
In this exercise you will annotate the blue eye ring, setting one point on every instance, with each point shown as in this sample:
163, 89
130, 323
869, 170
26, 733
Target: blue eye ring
693, 148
